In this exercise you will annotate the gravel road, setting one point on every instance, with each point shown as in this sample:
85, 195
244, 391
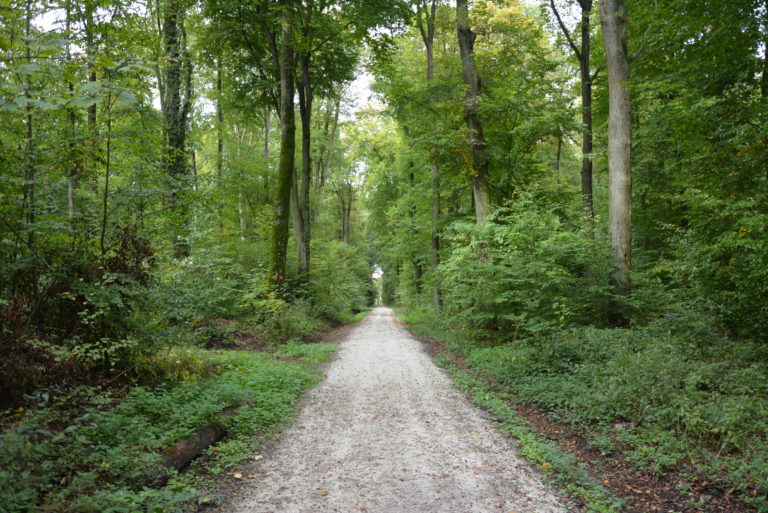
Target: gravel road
386, 432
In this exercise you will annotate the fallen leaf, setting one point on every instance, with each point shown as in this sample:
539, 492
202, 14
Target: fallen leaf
237, 475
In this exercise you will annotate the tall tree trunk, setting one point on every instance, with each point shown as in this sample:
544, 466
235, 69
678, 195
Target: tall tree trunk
176, 110
241, 214
586, 110
331, 140
305, 109
219, 140
31, 178
614, 21
583, 55
427, 30
267, 166
323, 146
479, 157
72, 160
298, 224
279, 242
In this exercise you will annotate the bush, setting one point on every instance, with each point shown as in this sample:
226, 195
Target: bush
682, 403
521, 274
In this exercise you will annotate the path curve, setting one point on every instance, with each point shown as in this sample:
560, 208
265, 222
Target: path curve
386, 432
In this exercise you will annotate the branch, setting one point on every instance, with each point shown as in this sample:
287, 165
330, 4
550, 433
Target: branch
596, 73
565, 30
642, 44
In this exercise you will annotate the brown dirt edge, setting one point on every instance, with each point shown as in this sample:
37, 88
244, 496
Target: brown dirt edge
641, 491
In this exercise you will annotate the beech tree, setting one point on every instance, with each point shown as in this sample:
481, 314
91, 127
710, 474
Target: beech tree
613, 15
586, 77
279, 244
477, 149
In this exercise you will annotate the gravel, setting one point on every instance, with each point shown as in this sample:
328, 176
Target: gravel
386, 432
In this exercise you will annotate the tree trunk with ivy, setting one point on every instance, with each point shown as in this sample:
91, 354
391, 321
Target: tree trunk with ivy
280, 229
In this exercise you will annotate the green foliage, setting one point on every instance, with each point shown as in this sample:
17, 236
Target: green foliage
681, 404
311, 353
98, 456
522, 273
340, 283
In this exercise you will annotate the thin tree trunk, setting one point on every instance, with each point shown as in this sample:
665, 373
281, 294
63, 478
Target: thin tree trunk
583, 55
586, 112
559, 155
219, 140
298, 224
329, 155
614, 21
241, 214
267, 166
105, 201
320, 160
479, 157
305, 109
279, 242
428, 36
31, 206
72, 161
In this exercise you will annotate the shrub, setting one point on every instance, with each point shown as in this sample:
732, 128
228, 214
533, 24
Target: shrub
522, 273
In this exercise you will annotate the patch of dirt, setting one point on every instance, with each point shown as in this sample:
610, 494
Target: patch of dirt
681, 491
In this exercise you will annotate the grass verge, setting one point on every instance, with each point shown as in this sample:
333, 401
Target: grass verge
90, 451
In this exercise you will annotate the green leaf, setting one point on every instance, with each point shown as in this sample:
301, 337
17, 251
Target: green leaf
126, 98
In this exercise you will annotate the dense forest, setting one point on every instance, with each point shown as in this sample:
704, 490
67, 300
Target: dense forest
571, 195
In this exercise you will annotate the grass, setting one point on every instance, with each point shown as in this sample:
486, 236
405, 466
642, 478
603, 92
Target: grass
90, 451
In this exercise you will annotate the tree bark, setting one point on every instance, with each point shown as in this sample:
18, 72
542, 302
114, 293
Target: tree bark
279, 241
614, 22
219, 140
303, 217
586, 110
331, 140
583, 55
427, 30
479, 157
176, 111
267, 166
31, 172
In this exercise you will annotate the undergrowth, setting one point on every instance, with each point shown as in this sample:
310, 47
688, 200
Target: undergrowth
680, 398
91, 451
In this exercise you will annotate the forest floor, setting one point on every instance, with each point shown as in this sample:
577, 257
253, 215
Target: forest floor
386, 431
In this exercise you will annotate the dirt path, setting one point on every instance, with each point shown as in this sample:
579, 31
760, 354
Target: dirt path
387, 433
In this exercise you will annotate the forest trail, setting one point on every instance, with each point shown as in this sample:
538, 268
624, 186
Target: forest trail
386, 432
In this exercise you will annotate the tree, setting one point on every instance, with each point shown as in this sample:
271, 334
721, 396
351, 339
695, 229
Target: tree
477, 149
582, 53
613, 15
176, 90
279, 244
426, 12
